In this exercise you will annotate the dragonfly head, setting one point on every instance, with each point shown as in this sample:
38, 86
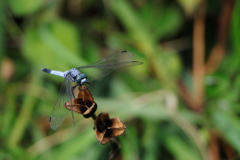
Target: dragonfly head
81, 78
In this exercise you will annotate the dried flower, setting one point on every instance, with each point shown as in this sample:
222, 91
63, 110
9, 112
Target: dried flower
106, 128
84, 104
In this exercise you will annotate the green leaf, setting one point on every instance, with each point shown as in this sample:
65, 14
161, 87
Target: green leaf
189, 6
129, 143
166, 22
54, 45
235, 25
2, 35
180, 149
132, 22
25, 7
75, 146
150, 140
228, 125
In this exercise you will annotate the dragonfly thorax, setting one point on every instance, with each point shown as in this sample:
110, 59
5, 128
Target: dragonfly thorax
72, 74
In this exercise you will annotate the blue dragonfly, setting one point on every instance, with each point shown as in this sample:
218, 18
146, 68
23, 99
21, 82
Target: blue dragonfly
80, 76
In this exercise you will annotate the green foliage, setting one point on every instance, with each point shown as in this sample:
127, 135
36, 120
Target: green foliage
235, 27
25, 7
49, 40
160, 122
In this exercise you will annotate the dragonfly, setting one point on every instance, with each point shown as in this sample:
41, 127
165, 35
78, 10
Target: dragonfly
80, 76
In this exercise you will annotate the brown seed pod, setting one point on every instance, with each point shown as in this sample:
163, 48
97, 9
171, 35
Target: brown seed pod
106, 128
84, 104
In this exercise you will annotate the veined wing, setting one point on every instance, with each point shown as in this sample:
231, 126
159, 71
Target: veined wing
105, 66
59, 111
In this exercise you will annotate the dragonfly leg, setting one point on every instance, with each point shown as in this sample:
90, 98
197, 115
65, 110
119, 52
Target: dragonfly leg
89, 84
72, 88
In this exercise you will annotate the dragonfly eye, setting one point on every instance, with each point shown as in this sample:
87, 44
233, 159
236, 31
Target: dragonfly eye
82, 78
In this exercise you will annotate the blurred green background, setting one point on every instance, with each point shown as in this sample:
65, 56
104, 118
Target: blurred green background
182, 104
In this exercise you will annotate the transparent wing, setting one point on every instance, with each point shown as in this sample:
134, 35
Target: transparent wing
59, 111
105, 66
